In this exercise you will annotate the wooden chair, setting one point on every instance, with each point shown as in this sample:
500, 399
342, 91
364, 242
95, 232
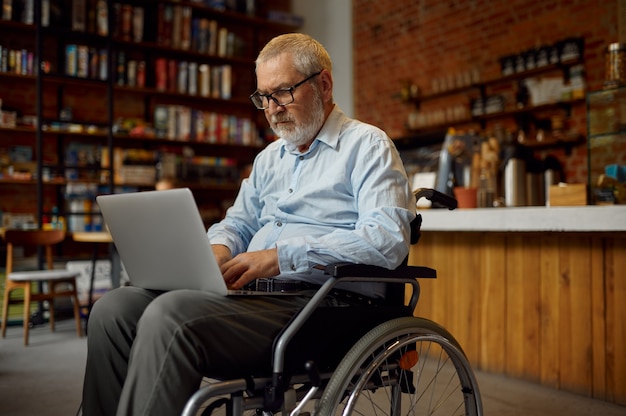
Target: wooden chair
25, 279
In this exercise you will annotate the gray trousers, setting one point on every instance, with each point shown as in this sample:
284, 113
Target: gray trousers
148, 351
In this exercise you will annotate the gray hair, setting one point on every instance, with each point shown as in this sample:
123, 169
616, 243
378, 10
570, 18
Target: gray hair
309, 56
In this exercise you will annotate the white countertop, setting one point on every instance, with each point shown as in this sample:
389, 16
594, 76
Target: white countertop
609, 218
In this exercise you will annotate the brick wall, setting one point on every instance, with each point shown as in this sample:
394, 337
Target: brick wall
418, 40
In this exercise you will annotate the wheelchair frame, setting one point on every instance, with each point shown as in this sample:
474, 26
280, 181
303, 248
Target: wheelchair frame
376, 362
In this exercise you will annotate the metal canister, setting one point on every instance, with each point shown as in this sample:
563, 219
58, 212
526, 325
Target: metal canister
515, 183
615, 65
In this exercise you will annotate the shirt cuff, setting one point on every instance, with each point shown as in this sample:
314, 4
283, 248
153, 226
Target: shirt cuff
292, 256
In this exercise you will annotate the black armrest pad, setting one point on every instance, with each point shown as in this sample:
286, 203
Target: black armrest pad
340, 270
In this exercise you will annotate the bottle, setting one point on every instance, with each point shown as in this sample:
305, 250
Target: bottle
486, 189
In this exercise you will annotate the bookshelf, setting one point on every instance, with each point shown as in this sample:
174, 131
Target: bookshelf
113, 96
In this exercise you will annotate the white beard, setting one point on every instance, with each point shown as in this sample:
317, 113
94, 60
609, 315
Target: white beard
299, 134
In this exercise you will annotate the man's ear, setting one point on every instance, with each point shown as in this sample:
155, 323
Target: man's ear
327, 85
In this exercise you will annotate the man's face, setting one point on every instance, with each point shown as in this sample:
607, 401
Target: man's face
298, 122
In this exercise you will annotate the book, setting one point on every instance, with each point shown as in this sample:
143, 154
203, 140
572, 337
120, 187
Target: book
222, 41
192, 78
141, 74
103, 61
45, 13
160, 121
216, 81
102, 18
176, 27
91, 16
184, 123
204, 80
94, 66
79, 15
7, 9
138, 24
172, 118
82, 61
165, 17
183, 73
226, 82
160, 74
195, 28
131, 73
28, 13
198, 126
70, 60
120, 71
126, 22
211, 126
224, 129
185, 28
117, 20
200, 37
17, 61
212, 37
172, 75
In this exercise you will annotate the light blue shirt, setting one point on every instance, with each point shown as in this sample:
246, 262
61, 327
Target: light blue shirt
346, 199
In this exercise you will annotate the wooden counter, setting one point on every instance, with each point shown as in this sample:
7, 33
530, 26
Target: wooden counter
534, 293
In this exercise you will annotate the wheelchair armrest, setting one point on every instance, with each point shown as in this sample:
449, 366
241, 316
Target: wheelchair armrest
340, 270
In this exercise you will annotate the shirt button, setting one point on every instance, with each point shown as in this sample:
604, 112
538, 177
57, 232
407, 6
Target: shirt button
293, 267
290, 190
301, 157
279, 224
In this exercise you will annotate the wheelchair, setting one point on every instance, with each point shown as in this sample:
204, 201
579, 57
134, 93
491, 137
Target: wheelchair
372, 360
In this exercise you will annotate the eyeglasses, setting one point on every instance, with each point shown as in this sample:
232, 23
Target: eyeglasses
281, 97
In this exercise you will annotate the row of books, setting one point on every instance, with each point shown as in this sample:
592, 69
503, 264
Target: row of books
177, 29
80, 15
18, 10
175, 26
86, 62
186, 124
17, 61
182, 77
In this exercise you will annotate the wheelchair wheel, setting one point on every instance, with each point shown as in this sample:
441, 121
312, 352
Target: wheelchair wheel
406, 366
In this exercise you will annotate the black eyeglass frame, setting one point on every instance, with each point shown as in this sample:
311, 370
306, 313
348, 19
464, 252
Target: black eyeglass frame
270, 95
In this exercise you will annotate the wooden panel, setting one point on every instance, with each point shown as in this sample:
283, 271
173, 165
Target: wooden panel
531, 311
598, 313
522, 312
616, 320
550, 318
465, 280
575, 323
515, 280
492, 301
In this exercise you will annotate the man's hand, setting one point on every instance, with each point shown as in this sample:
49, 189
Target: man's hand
246, 267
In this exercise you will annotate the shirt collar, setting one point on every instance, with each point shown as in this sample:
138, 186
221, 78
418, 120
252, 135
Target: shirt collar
329, 133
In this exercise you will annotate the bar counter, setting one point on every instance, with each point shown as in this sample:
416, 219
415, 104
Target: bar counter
609, 218
535, 293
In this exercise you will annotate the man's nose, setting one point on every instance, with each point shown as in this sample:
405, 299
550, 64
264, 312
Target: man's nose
274, 107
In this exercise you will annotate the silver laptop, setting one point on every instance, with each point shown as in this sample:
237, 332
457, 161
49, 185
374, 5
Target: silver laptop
162, 241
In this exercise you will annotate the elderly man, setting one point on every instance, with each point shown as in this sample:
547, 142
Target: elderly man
330, 189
